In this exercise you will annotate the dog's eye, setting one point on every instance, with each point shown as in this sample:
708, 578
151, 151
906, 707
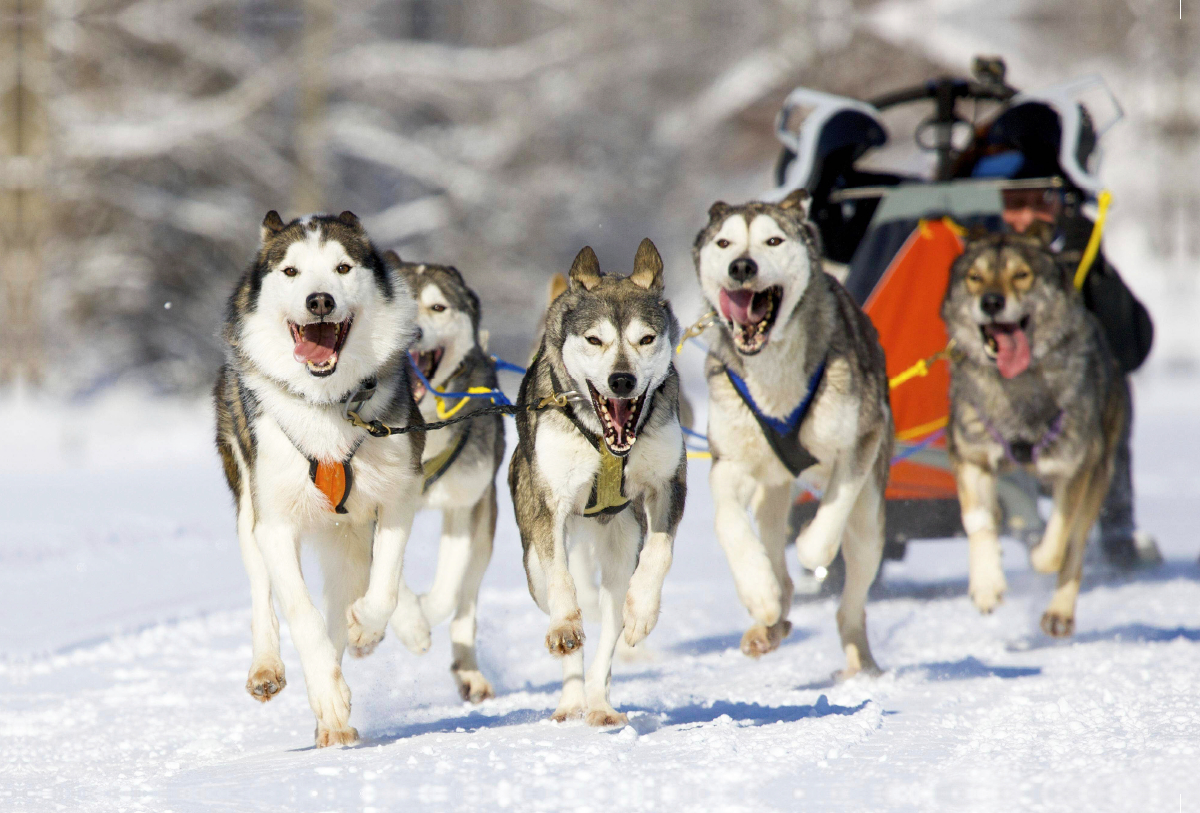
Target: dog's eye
975, 278
594, 340
290, 271
648, 339
437, 308
1020, 276
723, 243
774, 241
343, 269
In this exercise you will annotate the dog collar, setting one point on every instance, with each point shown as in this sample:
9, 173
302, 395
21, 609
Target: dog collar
783, 435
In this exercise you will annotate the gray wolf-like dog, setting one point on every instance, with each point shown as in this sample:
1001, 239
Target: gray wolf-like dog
460, 461
317, 318
591, 482
797, 383
1032, 386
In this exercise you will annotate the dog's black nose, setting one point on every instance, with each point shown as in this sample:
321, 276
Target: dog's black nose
991, 303
743, 268
622, 384
320, 304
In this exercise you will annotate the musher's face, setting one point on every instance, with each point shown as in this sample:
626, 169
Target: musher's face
1022, 207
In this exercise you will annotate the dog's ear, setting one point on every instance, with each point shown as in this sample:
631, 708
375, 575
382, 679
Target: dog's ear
585, 271
391, 259
718, 210
647, 267
350, 219
1040, 232
558, 286
798, 200
977, 232
272, 224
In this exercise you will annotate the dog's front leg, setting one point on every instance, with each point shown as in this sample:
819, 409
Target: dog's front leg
980, 509
732, 488
328, 693
663, 509
266, 677
564, 638
387, 596
818, 544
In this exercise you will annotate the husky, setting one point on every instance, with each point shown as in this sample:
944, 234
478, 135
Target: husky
318, 318
797, 383
460, 461
604, 480
1033, 386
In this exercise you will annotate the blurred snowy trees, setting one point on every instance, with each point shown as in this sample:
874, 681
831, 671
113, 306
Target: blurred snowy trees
497, 135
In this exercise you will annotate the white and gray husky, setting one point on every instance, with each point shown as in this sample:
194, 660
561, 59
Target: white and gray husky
317, 318
603, 480
460, 461
797, 383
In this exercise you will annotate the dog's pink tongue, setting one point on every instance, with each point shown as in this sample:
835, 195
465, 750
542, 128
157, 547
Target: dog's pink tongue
1013, 355
740, 306
316, 343
620, 409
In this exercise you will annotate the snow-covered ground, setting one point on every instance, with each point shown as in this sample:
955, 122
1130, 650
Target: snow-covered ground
124, 644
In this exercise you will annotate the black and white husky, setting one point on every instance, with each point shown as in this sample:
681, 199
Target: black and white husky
460, 461
592, 482
317, 318
797, 383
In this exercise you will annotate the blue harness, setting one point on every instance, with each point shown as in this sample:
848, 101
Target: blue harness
783, 434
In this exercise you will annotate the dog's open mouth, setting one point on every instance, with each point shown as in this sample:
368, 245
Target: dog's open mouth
318, 344
1007, 343
619, 418
426, 362
750, 315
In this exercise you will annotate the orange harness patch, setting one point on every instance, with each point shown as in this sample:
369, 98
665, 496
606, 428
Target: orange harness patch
334, 480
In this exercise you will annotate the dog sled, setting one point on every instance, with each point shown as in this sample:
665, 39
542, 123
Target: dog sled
892, 237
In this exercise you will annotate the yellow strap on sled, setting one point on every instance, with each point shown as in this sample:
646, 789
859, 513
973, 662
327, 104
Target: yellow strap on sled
1093, 245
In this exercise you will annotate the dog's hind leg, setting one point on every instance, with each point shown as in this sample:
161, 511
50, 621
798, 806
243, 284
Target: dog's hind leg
732, 489
617, 550
818, 544
1048, 555
771, 504
454, 556
472, 685
862, 551
978, 501
345, 565
266, 677
328, 693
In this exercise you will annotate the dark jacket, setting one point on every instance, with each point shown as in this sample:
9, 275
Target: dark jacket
1125, 320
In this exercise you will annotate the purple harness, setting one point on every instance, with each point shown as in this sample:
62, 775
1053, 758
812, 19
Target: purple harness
1023, 452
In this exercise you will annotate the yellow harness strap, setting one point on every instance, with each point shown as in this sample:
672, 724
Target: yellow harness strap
921, 368
608, 491
1093, 245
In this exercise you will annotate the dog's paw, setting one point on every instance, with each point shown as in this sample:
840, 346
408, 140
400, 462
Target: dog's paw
363, 651
760, 640
265, 681
569, 711
1046, 557
566, 637
813, 550
987, 592
412, 628
640, 616
867, 670
606, 718
1057, 624
336, 736
472, 685
363, 629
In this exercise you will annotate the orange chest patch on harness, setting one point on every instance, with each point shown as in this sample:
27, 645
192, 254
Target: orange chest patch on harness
334, 479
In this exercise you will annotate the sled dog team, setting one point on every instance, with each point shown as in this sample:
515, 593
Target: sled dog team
322, 322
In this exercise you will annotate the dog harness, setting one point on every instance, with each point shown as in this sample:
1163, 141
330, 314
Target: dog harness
437, 465
608, 488
783, 435
1022, 452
